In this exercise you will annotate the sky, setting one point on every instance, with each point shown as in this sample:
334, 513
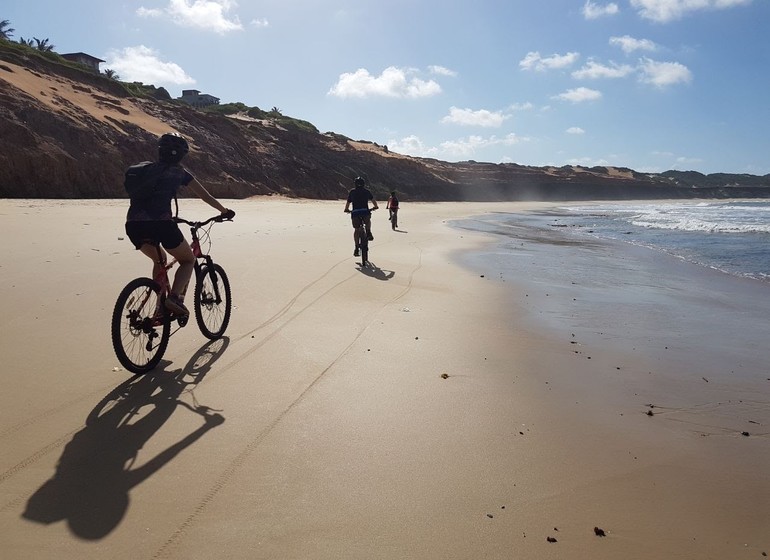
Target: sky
651, 85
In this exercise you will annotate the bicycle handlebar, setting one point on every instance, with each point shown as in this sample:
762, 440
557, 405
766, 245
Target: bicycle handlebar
227, 217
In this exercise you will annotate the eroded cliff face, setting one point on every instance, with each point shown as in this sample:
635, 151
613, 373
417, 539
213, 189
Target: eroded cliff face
66, 133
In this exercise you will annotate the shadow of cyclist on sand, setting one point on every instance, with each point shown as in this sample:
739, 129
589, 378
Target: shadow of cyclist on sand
91, 485
373, 271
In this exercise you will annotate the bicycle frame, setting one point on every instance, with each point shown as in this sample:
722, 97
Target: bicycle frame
162, 278
200, 255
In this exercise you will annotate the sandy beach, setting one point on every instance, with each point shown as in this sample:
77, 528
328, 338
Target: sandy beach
457, 400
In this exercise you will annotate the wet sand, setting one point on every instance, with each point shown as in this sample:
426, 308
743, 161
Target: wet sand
432, 406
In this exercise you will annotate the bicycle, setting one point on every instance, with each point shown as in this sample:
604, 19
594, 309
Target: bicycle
363, 235
141, 324
393, 218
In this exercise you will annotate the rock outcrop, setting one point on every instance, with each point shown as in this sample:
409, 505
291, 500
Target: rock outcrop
66, 132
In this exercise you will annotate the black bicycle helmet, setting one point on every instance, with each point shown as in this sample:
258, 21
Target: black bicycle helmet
172, 147
359, 182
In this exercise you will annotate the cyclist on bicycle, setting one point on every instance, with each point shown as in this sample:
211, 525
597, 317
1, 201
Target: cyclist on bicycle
392, 206
150, 222
359, 197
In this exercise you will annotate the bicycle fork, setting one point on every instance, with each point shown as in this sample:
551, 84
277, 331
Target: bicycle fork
207, 298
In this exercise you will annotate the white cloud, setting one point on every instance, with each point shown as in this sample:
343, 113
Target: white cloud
592, 10
260, 23
469, 117
142, 64
393, 82
527, 106
579, 95
467, 147
664, 11
462, 148
588, 162
662, 74
210, 15
149, 12
575, 130
413, 146
629, 44
593, 70
442, 71
687, 162
533, 61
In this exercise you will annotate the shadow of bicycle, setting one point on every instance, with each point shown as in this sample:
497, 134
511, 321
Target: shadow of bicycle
373, 271
95, 473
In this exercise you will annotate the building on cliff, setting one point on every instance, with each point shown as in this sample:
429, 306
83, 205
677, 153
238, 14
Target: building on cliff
197, 99
85, 59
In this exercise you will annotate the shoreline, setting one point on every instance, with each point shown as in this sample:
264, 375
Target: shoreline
342, 438
626, 332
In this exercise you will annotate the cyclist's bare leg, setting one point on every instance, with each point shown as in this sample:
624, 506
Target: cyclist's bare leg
356, 232
368, 225
152, 252
184, 256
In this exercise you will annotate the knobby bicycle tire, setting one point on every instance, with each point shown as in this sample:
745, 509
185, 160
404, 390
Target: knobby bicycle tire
364, 249
212, 302
135, 339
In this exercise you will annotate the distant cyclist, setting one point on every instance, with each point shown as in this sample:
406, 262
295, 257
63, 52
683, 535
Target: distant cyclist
361, 214
150, 223
392, 207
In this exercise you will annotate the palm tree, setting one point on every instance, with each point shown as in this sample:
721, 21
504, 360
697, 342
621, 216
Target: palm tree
26, 42
43, 45
5, 31
111, 74
275, 111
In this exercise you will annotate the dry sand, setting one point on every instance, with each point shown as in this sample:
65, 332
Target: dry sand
63, 95
418, 409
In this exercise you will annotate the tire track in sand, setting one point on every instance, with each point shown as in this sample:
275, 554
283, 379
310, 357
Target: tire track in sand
166, 550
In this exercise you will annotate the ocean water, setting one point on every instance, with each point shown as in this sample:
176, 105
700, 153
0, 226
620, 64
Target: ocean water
731, 236
684, 281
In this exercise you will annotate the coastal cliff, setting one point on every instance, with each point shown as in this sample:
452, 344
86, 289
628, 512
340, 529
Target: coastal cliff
66, 132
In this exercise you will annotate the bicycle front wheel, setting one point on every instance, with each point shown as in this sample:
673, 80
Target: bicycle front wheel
212, 301
140, 329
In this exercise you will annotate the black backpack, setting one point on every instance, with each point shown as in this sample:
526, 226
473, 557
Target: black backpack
142, 178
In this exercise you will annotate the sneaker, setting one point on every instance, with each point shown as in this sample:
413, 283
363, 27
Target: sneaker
356, 252
370, 237
175, 305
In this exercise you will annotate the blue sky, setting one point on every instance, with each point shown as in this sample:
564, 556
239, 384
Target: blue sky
646, 84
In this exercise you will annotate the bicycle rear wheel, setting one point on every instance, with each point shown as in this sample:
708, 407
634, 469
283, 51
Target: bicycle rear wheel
136, 320
364, 249
212, 301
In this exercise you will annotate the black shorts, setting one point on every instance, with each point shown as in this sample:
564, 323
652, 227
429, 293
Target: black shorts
361, 219
165, 232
